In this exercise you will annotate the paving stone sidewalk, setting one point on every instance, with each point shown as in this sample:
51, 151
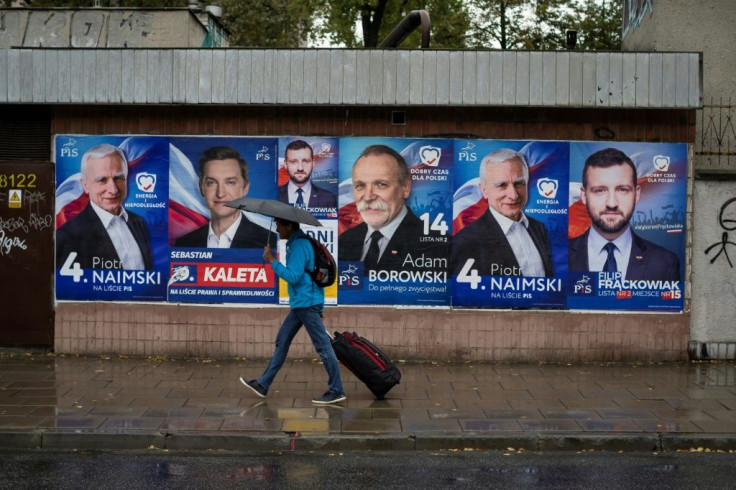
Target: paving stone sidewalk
56, 401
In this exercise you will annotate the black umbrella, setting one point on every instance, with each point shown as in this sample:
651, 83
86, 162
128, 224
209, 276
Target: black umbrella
275, 209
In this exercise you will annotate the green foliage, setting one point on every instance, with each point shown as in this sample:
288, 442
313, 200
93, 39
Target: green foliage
450, 21
498, 23
599, 25
542, 24
270, 23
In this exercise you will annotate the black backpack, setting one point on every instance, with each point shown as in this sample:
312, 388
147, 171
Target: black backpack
325, 269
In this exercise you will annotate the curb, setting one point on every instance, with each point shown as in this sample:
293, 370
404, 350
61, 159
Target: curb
420, 441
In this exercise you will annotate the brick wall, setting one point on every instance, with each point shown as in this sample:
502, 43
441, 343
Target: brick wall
405, 333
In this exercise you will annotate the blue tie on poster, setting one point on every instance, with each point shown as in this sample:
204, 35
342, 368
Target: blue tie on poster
416, 222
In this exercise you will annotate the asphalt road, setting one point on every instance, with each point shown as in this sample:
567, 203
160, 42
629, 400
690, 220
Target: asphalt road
352, 470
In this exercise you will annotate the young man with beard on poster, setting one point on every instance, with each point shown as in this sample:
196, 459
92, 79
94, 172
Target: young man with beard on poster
300, 191
610, 192
391, 236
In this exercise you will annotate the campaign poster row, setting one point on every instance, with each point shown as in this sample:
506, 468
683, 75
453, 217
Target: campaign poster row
423, 222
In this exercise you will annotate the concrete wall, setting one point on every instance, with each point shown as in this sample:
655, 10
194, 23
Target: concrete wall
100, 28
708, 27
713, 333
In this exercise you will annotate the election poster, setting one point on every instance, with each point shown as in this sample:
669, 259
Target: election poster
627, 226
216, 250
307, 177
411, 221
509, 242
307, 174
394, 221
111, 217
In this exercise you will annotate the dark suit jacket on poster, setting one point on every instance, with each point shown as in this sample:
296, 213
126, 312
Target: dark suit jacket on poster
647, 261
86, 235
408, 238
484, 241
248, 235
319, 198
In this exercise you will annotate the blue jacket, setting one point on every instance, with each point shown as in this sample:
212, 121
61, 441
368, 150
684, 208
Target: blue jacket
303, 292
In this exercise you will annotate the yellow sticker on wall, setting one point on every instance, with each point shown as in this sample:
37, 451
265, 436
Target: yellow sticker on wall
15, 198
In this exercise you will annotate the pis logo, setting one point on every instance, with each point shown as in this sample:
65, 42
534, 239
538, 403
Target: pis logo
547, 187
263, 154
582, 286
467, 154
662, 163
146, 182
350, 278
68, 150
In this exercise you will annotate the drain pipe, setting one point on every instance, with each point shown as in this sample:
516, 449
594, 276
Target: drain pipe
413, 19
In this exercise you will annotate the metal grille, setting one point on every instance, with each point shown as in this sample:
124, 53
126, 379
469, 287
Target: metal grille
715, 143
25, 133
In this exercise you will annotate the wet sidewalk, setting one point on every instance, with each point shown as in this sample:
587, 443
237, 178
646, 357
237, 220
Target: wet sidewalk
52, 401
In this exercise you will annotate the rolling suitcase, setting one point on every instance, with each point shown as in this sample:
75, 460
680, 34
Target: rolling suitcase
366, 362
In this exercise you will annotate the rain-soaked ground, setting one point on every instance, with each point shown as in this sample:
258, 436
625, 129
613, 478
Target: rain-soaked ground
95, 402
366, 469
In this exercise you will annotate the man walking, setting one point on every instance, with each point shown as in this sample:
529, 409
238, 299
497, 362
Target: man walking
306, 300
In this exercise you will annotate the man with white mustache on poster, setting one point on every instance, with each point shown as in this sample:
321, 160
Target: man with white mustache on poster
390, 237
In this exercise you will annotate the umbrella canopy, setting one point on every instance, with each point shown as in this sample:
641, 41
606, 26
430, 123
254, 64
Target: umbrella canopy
275, 209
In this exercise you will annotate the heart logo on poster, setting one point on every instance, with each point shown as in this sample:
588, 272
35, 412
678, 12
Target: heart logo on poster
430, 155
146, 182
547, 187
662, 162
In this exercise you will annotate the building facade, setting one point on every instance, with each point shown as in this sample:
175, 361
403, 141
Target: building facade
644, 98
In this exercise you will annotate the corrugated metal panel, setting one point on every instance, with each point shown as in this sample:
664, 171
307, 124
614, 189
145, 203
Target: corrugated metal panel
442, 78
562, 80
349, 77
482, 77
536, 78
642, 80
469, 78
628, 80
375, 96
602, 80
389, 77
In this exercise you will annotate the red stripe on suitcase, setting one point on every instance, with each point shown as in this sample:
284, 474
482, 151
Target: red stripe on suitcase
367, 351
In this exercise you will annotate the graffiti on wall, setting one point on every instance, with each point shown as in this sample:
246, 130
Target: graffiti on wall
634, 11
727, 225
91, 29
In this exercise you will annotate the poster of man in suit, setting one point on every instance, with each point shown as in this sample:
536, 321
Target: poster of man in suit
394, 221
627, 222
111, 204
216, 250
509, 224
308, 174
